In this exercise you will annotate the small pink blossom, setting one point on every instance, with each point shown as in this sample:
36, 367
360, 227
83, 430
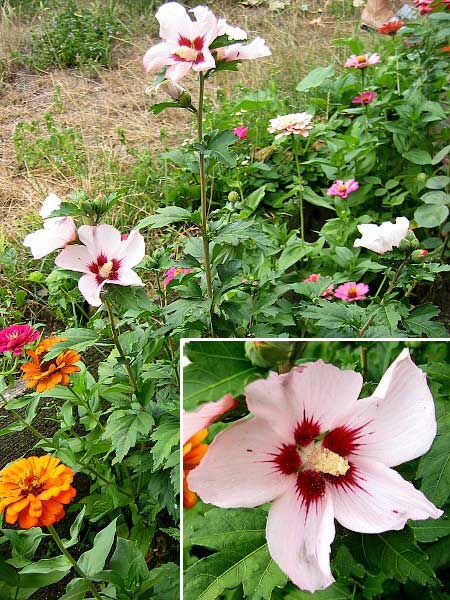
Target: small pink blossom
201, 418
343, 188
15, 337
351, 292
103, 258
362, 61
241, 132
296, 124
364, 98
314, 278
57, 232
423, 253
319, 453
174, 272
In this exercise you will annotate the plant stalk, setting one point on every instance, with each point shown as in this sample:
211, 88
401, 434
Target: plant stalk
300, 188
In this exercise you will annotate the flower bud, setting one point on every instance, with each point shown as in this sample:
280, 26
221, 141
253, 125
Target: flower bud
171, 88
419, 255
268, 354
233, 196
405, 245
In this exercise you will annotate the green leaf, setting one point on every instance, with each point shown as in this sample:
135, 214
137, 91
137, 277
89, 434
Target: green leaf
267, 575
430, 215
434, 467
123, 429
216, 369
438, 182
337, 591
418, 157
44, 572
128, 562
315, 78
436, 197
310, 196
165, 216
294, 251
166, 435
437, 158
78, 339
93, 561
430, 530
420, 323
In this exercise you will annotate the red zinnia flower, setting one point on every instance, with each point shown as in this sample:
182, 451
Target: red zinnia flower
390, 27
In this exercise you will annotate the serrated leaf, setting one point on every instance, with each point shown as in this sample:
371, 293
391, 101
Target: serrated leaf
337, 591
420, 323
123, 429
166, 435
261, 582
430, 530
78, 339
165, 216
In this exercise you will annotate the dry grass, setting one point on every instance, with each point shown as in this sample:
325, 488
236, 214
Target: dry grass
117, 99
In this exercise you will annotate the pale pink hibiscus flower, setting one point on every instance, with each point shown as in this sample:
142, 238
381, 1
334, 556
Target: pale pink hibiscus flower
15, 337
351, 291
321, 454
241, 132
364, 98
314, 278
57, 232
257, 48
186, 42
362, 61
382, 238
174, 272
343, 188
104, 258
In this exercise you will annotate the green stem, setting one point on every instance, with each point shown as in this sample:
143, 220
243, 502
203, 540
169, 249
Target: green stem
363, 356
300, 188
33, 430
203, 199
72, 561
397, 274
118, 344
397, 68
86, 407
12, 369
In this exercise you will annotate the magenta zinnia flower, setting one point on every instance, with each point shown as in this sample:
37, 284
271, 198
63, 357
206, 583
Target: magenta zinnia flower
364, 98
321, 454
343, 188
241, 132
362, 61
104, 258
172, 273
15, 337
314, 278
350, 292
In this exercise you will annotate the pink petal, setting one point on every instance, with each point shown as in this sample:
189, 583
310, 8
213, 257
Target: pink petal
196, 420
51, 203
399, 418
300, 541
237, 470
90, 289
132, 250
74, 258
384, 500
320, 391
208, 62
127, 277
173, 21
101, 239
158, 56
56, 234
178, 71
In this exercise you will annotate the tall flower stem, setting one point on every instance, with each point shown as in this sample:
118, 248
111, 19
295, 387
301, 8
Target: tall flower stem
397, 68
300, 187
364, 106
86, 407
203, 198
369, 322
118, 345
73, 562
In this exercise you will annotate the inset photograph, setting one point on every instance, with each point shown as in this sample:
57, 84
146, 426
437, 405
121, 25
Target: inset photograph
316, 469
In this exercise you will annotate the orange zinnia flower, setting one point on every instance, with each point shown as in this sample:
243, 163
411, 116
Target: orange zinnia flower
45, 375
390, 27
445, 48
33, 491
193, 452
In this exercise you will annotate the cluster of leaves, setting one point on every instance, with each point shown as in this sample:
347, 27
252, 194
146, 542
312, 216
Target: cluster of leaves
76, 37
226, 554
396, 148
122, 444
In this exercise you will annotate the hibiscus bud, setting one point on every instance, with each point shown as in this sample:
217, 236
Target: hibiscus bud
415, 244
268, 354
419, 255
233, 196
176, 92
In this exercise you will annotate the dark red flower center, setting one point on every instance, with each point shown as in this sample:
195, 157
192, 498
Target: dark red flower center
189, 50
105, 269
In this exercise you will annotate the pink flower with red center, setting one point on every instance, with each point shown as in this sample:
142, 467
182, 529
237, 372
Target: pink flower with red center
318, 454
362, 61
15, 337
314, 278
241, 132
103, 258
57, 232
351, 292
364, 98
174, 272
343, 188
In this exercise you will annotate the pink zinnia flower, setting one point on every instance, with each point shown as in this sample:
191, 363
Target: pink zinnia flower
362, 61
319, 454
382, 238
104, 258
172, 273
364, 98
343, 188
241, 132
296, 124
350, 292
15, 337
57, 232
314, 278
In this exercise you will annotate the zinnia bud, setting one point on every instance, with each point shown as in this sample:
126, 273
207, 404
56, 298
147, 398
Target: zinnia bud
233, 196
